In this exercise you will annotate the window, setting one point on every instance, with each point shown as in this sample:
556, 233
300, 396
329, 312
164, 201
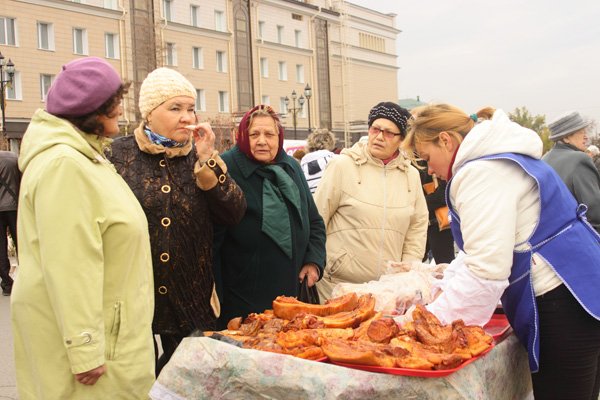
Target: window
221, 61
194, 15
280, 34
168, 10
45, 36
299, 73
261, 29
8, 32
265, 100
297, 17
110, 4
80, 41
264, 68
220, 21
298, 38
170, 54
282, 71
111, 41
223, 101
282, 106
197, 58
45, 83
200, 100
13, 91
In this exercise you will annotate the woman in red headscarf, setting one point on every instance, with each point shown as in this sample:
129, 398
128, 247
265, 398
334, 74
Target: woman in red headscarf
281, 239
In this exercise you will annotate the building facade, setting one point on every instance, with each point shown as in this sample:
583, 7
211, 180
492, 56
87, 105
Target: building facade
237, 54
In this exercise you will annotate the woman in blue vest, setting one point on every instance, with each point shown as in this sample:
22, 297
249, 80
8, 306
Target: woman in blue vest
524, 239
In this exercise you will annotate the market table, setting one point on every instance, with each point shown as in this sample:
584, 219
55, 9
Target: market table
204, 368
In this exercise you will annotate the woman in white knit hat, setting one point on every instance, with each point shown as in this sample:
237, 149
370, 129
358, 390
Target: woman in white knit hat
183, 186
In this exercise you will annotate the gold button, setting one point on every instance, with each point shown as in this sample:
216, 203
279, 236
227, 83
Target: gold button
211, 162
222, 178
69, 341
162, 163
164, 257
162, 290
165, 221
166, 189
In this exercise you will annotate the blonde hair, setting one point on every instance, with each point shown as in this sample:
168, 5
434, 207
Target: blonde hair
321, 139
429, 121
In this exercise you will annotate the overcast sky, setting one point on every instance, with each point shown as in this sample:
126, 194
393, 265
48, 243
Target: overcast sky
541, 54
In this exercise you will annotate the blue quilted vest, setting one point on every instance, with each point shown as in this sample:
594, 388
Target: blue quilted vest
562, 237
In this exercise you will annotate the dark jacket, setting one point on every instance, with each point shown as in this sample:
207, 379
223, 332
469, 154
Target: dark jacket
436, 199
578, 172
180, 221
250, 269
10, 181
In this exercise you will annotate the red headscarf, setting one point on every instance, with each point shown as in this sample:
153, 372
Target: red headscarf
242, 139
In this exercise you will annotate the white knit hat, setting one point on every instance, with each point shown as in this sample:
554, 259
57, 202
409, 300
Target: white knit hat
161, 85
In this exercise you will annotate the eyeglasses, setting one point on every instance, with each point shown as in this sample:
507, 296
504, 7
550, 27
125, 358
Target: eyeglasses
373, 130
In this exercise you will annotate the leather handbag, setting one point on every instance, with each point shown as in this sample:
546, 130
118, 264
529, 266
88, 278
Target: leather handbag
441, 214
307, 294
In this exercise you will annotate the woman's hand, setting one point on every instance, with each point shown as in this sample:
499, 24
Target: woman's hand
90, 377
205, 140
311, 272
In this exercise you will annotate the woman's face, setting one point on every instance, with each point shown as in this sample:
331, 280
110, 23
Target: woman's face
438, 157
577, 139
380, 146
171, 117
111, 122
264, 138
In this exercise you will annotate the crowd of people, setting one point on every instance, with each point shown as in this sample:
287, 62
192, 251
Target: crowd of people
127, 246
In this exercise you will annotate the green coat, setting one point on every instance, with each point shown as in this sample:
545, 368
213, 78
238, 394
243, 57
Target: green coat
250, 269
83, 296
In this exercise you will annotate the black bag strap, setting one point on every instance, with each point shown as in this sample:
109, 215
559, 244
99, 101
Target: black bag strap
8, 189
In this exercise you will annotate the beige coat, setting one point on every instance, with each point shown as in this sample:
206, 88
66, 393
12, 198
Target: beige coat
373, 213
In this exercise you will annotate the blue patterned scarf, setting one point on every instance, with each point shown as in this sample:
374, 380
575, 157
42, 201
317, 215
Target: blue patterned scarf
161, 140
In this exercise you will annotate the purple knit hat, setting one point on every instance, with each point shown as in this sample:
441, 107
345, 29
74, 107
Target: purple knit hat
82, 87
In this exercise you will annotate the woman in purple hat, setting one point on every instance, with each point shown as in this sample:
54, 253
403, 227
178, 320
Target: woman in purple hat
83, 298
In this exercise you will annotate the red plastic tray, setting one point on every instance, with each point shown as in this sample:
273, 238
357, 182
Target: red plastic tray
409, 371
497, 326
320, 359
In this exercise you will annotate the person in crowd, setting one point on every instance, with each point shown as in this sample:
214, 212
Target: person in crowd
320, 144
594, 152
299, 155
372, 203
183, 186
439, 241
10, 179
567, 157
82, 301
513, 218
281, 239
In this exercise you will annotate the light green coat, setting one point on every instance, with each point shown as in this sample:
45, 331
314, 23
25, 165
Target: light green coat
83, 296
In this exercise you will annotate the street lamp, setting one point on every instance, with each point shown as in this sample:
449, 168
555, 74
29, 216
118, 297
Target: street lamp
10, 70
308, 94
294, 109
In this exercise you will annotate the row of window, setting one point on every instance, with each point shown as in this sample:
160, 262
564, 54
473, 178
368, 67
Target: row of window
45, 38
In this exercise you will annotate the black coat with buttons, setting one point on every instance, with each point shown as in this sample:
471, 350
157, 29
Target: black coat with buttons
180, 221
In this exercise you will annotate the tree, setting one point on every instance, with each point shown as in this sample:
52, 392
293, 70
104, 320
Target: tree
536, 123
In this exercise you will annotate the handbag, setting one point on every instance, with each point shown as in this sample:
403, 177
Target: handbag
307, 294
441, 214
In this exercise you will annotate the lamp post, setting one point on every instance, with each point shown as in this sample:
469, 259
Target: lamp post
308, 94
10, 70
294, 109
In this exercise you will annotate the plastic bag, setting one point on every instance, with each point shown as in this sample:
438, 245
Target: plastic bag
308, 294
393, 267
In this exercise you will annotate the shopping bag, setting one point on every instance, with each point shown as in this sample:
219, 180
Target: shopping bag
308, 294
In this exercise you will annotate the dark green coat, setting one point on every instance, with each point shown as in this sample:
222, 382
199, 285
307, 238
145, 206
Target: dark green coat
250, 269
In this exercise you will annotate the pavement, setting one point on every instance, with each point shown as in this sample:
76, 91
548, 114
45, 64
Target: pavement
8, 386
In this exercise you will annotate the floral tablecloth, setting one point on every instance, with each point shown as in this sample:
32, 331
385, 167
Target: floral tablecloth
203, 368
